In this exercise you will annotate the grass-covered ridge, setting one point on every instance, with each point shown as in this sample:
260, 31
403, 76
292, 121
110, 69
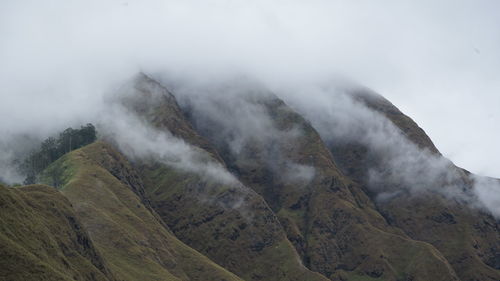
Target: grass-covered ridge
133, 241
41, 238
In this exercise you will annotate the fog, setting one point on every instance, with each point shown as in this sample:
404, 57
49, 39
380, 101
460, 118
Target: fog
139, 141
236, 116
438, 62
395, 165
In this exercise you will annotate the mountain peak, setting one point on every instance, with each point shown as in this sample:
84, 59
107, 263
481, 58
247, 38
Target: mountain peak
235, 182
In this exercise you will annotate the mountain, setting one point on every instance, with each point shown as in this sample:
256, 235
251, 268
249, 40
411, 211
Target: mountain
468, 238
43, 239
230, 223
330, 220
233, 183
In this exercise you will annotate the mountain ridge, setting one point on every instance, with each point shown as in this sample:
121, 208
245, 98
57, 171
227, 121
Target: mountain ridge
300, 203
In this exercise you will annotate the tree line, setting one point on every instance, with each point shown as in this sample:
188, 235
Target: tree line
54, 147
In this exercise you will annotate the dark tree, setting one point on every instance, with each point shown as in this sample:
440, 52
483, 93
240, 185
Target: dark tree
66, 141
52, 149
88, 133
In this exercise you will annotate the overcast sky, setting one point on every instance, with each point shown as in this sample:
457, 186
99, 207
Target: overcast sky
438, 61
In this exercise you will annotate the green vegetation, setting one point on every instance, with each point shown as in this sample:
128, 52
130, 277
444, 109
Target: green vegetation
110, 219
247, 241
41, 238
231, 225
51, 149
57, 174
467, 238
133, 240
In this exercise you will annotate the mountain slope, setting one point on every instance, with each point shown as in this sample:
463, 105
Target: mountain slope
407, 126
228, 222
229, 182
134, 242
330, 220
41, 238
468, 237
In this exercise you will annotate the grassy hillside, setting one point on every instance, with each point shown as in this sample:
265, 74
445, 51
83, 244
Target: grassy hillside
332, 224
331, 221
133, 241
467, 237
41, 238
299, 209
230, 224
234, 227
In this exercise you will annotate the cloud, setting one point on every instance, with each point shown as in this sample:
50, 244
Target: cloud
138, 140
15, 148
394, 163
239, 116
124, 121
432, 59
488, 192
437, 61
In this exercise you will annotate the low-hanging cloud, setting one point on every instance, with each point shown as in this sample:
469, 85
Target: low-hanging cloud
237, 116
58, 58
487, 190
138, 140
395, 163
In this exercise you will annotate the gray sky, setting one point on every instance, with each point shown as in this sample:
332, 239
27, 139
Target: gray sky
438, 61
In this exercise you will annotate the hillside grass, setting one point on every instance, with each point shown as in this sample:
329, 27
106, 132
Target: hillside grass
41, 239
132, 240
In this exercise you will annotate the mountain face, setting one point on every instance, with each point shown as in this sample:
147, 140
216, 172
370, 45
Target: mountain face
468, 238
233, 183
42, 238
